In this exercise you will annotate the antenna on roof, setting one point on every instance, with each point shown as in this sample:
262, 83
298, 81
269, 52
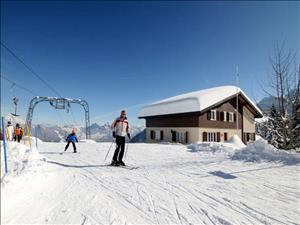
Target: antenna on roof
237, 100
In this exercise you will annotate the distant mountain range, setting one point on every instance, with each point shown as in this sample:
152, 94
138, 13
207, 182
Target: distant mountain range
99, 133
266, 103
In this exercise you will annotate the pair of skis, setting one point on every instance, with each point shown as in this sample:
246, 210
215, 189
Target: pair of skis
125, 167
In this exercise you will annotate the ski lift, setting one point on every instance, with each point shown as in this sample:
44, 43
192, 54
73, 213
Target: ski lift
15, 100
60, 104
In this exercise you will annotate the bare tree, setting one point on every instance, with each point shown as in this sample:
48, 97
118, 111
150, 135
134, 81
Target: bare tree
281, 61
285, 87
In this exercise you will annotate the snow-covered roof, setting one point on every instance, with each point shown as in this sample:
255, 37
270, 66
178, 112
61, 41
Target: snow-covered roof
196, 101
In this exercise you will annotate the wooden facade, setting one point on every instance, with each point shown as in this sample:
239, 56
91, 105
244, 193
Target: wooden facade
203, 120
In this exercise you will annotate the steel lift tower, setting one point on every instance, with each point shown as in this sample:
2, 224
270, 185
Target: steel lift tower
59, 103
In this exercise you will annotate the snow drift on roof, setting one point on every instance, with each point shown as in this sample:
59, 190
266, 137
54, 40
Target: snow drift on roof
194, 101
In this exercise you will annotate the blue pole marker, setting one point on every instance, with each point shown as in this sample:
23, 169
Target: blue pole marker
4, 144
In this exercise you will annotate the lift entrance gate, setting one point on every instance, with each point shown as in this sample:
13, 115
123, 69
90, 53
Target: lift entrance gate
59, 103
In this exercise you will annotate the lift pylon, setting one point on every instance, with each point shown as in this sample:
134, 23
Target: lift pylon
59, 103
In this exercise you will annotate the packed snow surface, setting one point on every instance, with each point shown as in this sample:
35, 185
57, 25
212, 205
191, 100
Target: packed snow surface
194, 101
208, 183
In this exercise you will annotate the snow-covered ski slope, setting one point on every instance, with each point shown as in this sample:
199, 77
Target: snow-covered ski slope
202, 184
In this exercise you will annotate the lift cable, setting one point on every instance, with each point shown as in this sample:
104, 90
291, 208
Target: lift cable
34, 73
30, 69
13, 83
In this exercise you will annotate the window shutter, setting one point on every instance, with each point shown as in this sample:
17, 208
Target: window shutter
253, 136
186, 137
222, 116
152, 134
209, 115
225, 136
218, 137
161, 135
218, 115
234, 117
204, 136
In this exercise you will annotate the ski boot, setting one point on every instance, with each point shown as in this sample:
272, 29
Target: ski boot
121, 163
114, 163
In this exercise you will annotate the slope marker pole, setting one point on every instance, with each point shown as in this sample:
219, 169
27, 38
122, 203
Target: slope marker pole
4, 144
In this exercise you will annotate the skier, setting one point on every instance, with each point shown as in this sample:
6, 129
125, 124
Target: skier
120, 130
71, 138
18, 133
10, 131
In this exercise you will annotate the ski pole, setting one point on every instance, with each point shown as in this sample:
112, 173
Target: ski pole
126, 151
108, 151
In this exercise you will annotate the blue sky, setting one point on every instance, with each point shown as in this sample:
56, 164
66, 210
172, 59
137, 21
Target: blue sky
125, 54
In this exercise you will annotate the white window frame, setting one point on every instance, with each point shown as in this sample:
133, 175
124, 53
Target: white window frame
225, 116
231, 117
213, 114
157, 135
211, 136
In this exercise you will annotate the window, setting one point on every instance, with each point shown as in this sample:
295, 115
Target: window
157, 135
212, 136
213, 114
225, 116
231, 117
248, 137
181, 137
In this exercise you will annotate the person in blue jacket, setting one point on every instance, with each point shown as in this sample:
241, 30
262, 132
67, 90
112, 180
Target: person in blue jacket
71, 139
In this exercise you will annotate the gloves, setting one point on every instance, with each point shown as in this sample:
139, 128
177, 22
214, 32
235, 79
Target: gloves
114, 134
128, 135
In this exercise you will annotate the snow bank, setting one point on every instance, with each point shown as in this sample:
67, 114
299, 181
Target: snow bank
19, 157
235, 140
260, 150
33, 140
211, 147
233, 143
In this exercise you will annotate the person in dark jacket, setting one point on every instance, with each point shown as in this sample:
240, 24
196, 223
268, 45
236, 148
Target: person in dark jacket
120, 130
71, 139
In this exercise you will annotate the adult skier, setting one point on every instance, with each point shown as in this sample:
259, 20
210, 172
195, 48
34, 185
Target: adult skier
120, 130
10, 131
72, 139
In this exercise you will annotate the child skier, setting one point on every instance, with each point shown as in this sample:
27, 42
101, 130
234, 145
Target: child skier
71, 138
120, 130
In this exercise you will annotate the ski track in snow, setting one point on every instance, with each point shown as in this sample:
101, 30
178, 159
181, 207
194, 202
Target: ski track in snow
171, 186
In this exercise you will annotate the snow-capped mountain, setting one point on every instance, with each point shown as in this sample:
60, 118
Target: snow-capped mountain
99, 133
